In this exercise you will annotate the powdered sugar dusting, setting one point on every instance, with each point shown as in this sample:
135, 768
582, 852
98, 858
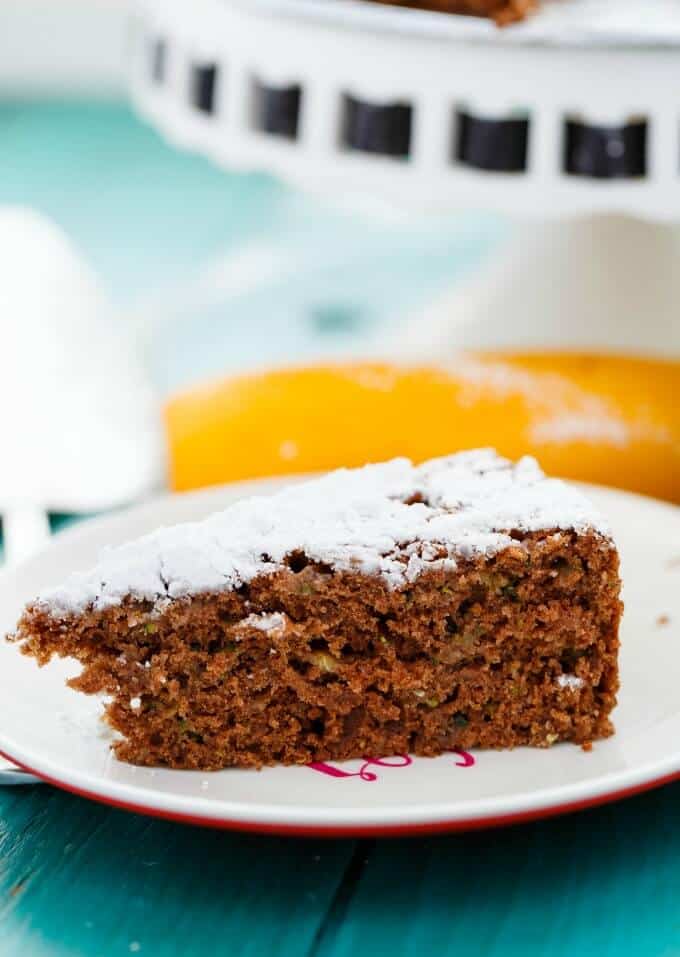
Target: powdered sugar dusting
572, 682
394, 519
274, 623
595, 426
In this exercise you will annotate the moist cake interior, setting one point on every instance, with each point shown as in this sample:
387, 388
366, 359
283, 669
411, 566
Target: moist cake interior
311, 658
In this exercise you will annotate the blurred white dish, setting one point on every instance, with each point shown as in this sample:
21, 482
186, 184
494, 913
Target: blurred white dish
81, 430
55, 732
51, 47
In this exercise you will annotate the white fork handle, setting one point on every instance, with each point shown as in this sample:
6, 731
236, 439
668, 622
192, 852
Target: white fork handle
25, 529
11, 775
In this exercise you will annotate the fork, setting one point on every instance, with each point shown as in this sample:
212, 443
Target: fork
25, 530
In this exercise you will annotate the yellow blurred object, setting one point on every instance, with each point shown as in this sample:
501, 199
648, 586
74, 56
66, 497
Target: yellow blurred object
607, 419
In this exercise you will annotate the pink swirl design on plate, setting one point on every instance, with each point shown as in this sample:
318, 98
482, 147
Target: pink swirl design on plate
466, 759
397, 761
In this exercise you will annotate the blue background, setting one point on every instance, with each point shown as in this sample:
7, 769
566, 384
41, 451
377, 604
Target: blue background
149, 219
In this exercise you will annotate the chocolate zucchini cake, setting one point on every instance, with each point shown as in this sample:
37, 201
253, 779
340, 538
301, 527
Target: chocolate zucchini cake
502, 11
467, 602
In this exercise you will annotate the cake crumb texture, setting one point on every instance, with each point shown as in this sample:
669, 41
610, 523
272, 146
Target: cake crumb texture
488, 619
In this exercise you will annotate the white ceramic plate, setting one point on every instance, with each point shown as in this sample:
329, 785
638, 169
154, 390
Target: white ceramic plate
55, 732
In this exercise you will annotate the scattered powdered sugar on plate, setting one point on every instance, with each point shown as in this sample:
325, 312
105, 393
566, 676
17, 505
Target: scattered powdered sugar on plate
393, 519
89, 719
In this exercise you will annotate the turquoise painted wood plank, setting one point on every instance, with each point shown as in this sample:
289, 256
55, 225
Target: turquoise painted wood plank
78, 878
605, 882
81, 879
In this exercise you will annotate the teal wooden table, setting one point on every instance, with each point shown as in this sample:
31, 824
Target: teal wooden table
81, 880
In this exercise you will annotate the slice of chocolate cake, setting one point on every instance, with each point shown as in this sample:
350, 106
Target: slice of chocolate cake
467, 602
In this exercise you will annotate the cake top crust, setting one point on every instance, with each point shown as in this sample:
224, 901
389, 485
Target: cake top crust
393, 519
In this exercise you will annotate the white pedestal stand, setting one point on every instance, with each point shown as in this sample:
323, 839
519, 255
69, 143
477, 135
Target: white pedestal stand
578, 105
601, 283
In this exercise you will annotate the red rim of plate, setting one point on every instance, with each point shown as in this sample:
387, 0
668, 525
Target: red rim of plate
351, 830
